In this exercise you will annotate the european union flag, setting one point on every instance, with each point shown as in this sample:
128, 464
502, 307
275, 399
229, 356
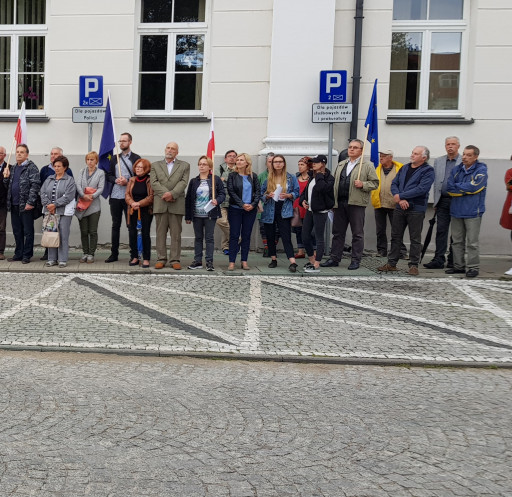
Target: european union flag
373, 130
107, 145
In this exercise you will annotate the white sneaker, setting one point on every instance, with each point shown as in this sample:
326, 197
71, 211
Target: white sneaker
311, 269
84, 258
50, 263
509, 272
90, 259
63, 264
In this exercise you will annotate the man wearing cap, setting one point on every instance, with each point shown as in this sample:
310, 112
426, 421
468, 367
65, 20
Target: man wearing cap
383, 201
353, 183
443, 167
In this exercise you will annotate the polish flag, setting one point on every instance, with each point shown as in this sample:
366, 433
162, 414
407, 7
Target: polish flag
20, 135
210, 152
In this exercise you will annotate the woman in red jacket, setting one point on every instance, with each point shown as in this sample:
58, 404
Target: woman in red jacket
506, 216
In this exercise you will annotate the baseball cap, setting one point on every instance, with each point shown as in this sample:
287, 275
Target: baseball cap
319, 158
386, 152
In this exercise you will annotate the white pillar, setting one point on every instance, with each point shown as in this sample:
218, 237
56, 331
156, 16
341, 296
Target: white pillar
302, 46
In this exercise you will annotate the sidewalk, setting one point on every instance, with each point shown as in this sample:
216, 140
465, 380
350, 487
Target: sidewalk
492, 267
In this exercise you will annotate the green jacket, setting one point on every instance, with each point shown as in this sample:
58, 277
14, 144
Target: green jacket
357, 196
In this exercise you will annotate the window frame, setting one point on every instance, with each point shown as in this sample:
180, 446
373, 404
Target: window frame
15, 31
171, 30
426, 28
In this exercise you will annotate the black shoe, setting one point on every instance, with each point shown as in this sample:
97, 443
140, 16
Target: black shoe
27, 261
273, 263
472, 273
455, 271
111, 258
449, 265
292, 267
353, 265
13, 259
136, 263
433, 265
329, 263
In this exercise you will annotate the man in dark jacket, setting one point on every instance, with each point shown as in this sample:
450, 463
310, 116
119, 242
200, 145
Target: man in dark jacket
23, 185
410, 189
3, 204
117, 179
467, 186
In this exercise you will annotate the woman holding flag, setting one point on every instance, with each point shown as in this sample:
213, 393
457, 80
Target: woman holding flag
139, 199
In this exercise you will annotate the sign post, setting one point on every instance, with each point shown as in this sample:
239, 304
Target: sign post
91, 95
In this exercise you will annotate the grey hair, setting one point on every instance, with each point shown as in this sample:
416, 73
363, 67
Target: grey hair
357, 140
456, 138
426, 152
59, 149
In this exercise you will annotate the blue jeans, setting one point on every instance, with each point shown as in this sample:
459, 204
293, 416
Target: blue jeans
203, 230
240, 226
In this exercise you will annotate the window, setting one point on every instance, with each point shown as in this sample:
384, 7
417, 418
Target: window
172, 37
426, 57
22, 54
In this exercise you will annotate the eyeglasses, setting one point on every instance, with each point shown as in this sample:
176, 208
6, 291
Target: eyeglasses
354, 147
278, 162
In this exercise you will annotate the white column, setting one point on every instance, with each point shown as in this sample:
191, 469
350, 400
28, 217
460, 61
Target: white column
302, 46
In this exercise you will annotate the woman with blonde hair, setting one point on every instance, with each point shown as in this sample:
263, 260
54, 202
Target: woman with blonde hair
244, 195
285, 187
89, 185
198, 211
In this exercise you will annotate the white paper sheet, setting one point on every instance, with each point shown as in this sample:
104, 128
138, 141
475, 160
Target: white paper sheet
278, 191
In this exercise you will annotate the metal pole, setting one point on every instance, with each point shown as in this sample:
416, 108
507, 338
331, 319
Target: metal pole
327, 234
89, 148
356, 78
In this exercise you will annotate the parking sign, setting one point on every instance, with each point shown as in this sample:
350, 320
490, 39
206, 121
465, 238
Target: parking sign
91, 91
333, 86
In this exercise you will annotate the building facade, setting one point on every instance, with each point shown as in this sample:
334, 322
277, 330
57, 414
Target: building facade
440, 64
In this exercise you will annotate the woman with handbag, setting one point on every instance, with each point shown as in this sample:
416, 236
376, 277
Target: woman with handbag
203, 211
90, 184
139, 198
244, 194
57, 192
298, 211
279, 192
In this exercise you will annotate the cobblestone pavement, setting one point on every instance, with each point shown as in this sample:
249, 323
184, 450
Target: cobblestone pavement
439, 321
111, 426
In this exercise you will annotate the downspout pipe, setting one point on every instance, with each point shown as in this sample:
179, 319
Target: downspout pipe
356, 77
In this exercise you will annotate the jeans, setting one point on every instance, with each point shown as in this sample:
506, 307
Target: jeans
61, 252
314, 221
285, 228
146, 220
204, 229
118, 207
23, 231
89, 232
402, 219
240, 226
381, 216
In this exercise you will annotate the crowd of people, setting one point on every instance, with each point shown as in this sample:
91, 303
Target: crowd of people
232, 197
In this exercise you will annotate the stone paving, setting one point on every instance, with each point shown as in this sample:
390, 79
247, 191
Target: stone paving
111, 426
446, 321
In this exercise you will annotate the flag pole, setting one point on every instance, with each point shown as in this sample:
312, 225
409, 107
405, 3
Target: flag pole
362, 153
7, 169
213, 175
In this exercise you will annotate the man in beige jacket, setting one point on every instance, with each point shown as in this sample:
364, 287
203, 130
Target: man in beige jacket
169, 179
353, 183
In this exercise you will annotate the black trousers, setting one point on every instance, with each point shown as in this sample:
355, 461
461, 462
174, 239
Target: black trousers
314, 222
381, 216
401, 220
118, 208
443, 230
23, 230
285, 229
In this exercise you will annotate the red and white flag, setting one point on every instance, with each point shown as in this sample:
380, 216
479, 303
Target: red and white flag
20, 135
210, 152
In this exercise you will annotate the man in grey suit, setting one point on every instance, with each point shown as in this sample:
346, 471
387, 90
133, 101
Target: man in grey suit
169, 179
443, 167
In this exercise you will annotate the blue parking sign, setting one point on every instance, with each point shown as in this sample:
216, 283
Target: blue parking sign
91, 91
333, 86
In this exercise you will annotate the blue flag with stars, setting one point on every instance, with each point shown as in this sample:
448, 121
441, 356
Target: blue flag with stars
373, 130
107, 145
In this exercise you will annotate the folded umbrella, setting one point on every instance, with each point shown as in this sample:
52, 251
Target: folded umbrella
429, 235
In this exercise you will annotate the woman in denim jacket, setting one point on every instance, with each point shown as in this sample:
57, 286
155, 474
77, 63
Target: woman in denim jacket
279, 212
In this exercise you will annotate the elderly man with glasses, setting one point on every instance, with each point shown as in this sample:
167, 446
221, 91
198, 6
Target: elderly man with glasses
353, 182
